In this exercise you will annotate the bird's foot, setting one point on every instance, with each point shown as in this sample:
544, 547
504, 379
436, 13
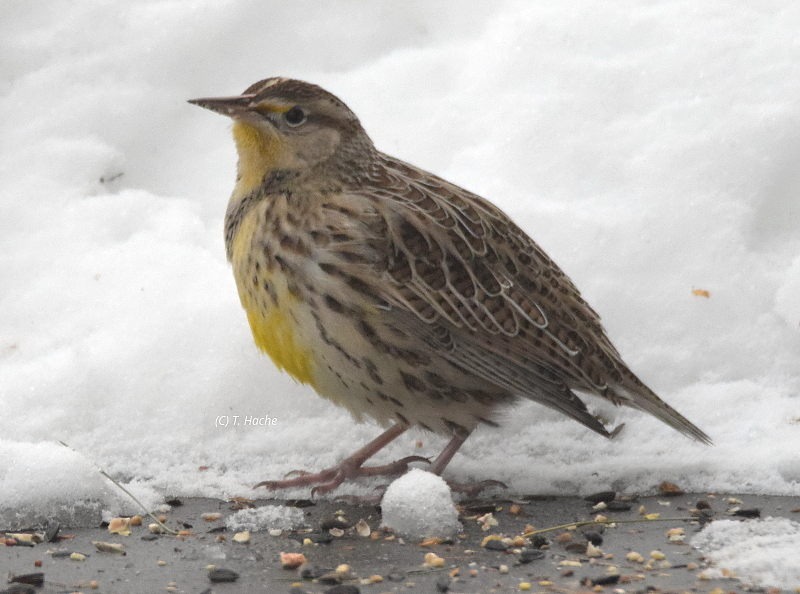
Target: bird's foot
329, 479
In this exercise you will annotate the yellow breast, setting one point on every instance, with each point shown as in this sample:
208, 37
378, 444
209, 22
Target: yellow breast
274, 325
275, 334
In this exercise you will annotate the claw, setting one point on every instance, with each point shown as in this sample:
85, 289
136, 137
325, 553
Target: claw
410, 459
271, 485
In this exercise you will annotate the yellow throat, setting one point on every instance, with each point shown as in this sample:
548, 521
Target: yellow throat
259, 154
274, 325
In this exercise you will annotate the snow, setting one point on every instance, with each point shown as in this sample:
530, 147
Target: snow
264, 518
758, 552
419, 505
651, 149
72, 492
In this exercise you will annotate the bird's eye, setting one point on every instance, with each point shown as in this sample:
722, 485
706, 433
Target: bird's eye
295, 116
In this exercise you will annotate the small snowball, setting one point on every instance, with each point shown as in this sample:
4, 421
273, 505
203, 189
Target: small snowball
419, 505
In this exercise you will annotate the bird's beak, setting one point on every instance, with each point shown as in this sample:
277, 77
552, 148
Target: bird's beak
232, 107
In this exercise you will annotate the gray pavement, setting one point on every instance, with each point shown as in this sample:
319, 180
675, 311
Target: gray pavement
556, 561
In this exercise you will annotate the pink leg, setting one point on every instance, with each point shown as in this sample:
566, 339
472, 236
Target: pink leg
443, 459
351, 467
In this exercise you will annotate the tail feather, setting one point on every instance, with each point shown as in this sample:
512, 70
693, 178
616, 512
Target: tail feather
645, 399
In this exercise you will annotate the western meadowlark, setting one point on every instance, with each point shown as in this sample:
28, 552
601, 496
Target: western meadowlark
397, 294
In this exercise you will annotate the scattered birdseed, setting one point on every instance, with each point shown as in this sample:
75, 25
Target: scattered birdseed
362, 528
109, 547
634, 557
593, 551
563, 538
77, 556
292, 560
577, 548
668, 489
121, 526
748, 513
211, 516
335, 522
31, 579
570, 563
51, 530
676, 534
593, 537
433, 560
487, 521
525, 586
221, 575
21, 538
496, 544
606, 580
242, 537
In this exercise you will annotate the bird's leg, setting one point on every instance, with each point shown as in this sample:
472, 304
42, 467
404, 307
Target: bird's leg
351, 467
443, 459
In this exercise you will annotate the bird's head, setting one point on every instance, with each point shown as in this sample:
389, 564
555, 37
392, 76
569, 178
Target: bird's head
291, 126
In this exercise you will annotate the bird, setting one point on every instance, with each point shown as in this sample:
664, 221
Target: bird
396, 294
